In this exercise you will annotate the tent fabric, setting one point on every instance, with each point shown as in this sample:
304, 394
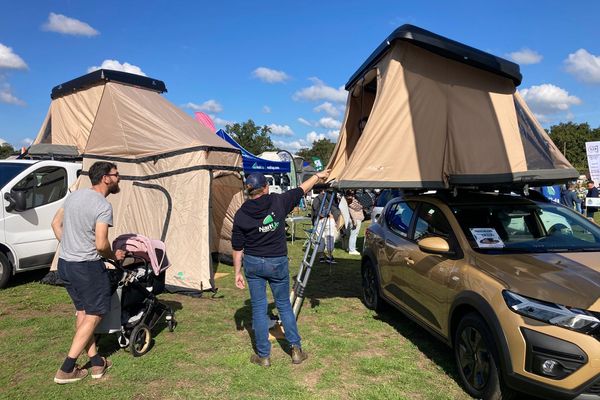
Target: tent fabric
253, 163
421, 120
180, 183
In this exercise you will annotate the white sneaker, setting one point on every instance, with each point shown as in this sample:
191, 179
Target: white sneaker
354, 253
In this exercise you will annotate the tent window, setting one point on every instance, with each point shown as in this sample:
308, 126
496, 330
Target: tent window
361, 105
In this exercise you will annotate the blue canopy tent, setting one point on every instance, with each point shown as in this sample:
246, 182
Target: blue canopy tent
253, 163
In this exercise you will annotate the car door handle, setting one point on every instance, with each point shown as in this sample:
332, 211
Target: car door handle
409, 260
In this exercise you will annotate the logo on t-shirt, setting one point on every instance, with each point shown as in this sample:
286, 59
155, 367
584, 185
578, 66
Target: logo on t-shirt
269, 224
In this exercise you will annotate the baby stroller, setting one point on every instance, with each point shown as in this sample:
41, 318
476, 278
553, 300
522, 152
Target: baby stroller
135, 309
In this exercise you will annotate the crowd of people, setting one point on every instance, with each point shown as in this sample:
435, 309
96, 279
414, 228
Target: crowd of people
573, 195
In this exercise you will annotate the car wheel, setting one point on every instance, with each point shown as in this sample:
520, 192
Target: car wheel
5, 270
370, 286
477, 361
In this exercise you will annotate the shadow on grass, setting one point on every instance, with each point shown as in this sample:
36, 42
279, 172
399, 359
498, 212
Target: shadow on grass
243, 321
27, 277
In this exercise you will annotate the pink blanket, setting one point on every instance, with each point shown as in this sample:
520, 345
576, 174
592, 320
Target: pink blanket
151, 250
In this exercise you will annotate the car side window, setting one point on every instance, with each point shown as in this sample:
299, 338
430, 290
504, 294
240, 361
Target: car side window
431, 222
398, 217
43, 186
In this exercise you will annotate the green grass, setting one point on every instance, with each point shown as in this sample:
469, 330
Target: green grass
354, 353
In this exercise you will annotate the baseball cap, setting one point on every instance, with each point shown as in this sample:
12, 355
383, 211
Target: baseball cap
255, 181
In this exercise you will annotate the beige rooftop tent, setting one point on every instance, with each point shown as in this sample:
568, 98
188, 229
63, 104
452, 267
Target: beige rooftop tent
428, 112
180, 182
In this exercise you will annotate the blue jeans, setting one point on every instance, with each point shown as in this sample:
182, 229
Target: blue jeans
274, 270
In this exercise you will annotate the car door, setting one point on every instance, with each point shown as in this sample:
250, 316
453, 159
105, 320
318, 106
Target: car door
398, 220
29, 232
426, 276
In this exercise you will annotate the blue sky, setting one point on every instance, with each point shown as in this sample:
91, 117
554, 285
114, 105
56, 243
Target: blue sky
283, 64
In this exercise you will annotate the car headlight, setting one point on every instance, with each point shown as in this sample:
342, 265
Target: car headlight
555, 314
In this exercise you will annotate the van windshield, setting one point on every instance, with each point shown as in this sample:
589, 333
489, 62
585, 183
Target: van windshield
10, 170
526, 228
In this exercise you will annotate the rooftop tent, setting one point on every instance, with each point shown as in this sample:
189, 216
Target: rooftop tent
179, 181
427, 112
253, 163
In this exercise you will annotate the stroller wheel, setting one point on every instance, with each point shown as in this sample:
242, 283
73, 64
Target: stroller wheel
140, 340
171, 324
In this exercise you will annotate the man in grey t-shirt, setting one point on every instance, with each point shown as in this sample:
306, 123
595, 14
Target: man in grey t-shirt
82, 228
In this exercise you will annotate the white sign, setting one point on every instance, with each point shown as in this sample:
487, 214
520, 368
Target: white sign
487, 238
592, 201
592, 150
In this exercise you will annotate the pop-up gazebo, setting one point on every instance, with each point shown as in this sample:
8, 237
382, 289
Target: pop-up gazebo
427, 112
180, 182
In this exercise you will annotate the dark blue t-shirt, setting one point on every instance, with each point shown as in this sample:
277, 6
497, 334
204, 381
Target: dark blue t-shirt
259, 224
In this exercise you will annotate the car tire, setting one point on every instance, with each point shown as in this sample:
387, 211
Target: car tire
370, 287
5, 270
476, 357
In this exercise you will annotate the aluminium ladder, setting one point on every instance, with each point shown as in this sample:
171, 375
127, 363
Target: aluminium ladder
310, 253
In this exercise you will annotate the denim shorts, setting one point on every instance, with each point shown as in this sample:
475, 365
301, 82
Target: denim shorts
88, 284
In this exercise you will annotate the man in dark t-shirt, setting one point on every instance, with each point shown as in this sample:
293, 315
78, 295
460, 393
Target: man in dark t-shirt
258, 238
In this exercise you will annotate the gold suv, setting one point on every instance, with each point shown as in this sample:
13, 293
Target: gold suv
511, 284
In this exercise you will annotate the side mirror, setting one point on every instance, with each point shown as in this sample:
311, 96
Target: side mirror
16, 200
435, 245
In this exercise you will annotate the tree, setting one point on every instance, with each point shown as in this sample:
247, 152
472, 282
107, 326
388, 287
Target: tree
6, 150
250, 136
322, 149
570, 139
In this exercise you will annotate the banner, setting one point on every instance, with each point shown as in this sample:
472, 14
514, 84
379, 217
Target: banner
592, 149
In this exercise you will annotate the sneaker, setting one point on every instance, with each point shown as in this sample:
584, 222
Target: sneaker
298, 355
331, 260
354, 253
63, 377
98, 372
262, 361
322, 259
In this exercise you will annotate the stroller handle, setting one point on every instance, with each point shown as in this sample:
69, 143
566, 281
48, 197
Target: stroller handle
119, 264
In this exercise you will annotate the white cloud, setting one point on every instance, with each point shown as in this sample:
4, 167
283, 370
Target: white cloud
584, 66
117, 66
293, 146
328, 108
525, 56
329, 123
304, 122
266, 109
548, 99
6, 96
220, 121
281, 130
270, 75
333, 135
26, 142
320, 91
68, 26
211, 106
8, 59
314, 136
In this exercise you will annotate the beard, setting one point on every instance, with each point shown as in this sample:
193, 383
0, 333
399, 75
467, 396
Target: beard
114, 188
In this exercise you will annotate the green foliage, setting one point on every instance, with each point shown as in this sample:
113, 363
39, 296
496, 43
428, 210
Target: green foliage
570, 139
250, 136
6, 150
322, 149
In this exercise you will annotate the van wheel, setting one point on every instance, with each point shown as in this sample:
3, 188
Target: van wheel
370, 286
477, 361
5, 270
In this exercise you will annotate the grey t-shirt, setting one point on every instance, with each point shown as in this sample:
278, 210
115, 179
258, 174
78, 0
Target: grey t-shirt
82, 209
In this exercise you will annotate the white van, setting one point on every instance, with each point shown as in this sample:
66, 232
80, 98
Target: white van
32, 192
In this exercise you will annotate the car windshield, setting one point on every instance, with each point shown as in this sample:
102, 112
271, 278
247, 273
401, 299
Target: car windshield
526, 228
9, 171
